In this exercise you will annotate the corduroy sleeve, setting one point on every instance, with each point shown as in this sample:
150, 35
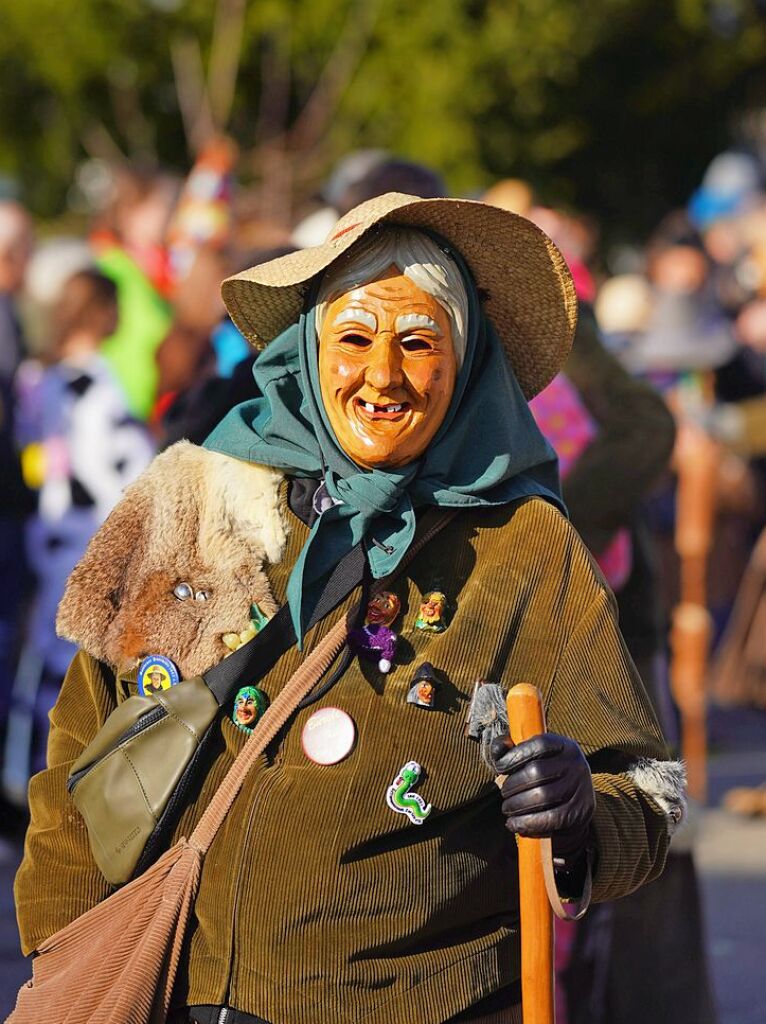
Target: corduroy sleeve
598, 699
58, 879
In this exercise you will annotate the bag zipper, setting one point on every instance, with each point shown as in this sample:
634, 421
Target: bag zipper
223, 1016
151, 717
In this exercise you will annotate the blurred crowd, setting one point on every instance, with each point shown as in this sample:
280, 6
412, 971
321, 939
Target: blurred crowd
115, 344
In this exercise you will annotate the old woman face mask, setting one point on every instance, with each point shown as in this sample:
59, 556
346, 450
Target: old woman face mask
387, 370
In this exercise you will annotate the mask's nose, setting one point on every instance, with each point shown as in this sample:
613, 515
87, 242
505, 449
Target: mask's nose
384, 369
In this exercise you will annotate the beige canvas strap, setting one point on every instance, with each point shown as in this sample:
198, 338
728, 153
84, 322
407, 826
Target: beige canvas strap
285, 703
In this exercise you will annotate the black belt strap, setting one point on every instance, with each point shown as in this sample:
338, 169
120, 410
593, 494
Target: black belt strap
258, 656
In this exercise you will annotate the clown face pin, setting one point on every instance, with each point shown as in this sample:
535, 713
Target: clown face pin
249, 705
432, 616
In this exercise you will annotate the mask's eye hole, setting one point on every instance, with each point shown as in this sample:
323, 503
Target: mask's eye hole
202, 595
416, 344
183, 592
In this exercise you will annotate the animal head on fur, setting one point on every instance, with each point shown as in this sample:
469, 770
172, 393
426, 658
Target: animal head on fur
193, 517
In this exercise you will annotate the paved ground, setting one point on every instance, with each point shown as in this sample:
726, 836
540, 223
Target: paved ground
731, 856
13, 969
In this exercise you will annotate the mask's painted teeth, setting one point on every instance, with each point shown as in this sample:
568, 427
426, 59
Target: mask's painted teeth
381, 408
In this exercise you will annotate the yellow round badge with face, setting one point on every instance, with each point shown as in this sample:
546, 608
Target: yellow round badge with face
155, 674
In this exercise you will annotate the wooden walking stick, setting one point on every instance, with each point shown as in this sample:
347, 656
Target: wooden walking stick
526, 719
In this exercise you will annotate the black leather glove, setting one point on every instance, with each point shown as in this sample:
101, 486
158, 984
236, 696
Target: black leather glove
548, 790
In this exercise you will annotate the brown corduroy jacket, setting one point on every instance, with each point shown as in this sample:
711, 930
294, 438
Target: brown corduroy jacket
318, 902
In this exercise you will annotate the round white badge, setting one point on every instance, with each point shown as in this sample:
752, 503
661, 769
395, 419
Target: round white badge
328, 736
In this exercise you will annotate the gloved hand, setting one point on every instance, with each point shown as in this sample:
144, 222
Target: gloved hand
548, 790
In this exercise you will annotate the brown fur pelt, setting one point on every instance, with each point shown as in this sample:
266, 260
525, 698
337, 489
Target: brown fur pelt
193, 517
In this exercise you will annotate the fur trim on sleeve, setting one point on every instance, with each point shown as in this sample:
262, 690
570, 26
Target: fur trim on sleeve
664, 782
194, 517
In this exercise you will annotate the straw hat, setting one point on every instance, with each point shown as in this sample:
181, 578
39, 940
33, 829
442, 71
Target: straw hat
526, 285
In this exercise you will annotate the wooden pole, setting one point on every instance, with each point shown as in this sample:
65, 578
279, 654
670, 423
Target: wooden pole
690, 635
697, 459
526, 719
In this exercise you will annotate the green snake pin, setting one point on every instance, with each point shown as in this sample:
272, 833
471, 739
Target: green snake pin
400, 799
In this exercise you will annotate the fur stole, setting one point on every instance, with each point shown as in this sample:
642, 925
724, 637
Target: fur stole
195, 517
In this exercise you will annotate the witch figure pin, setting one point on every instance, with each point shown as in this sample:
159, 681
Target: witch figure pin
424, 686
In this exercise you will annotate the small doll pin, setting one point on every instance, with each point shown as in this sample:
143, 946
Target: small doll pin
249, 705
375, 640
432, 616
424, 686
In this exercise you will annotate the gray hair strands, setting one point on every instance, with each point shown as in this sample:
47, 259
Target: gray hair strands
418, 257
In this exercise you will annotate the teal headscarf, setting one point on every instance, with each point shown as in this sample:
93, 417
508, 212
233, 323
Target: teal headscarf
488, 451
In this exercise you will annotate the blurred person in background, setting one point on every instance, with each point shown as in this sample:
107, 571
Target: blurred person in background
623, 309
512, 194
54, 260
316, 224
185, 355
365, 174
199, 239
82, 447
676, 327
128, 239
674, 332
689, 330
727, 198
218, 377
643, 957
576, 236
392, 175
15, 500
685, 329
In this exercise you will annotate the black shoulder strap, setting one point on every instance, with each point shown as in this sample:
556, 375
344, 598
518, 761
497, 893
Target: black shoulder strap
257, 657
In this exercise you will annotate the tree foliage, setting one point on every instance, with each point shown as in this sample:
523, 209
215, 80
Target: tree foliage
613, 106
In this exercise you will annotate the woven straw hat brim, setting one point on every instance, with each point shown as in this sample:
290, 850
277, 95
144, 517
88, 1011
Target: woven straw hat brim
527, 289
